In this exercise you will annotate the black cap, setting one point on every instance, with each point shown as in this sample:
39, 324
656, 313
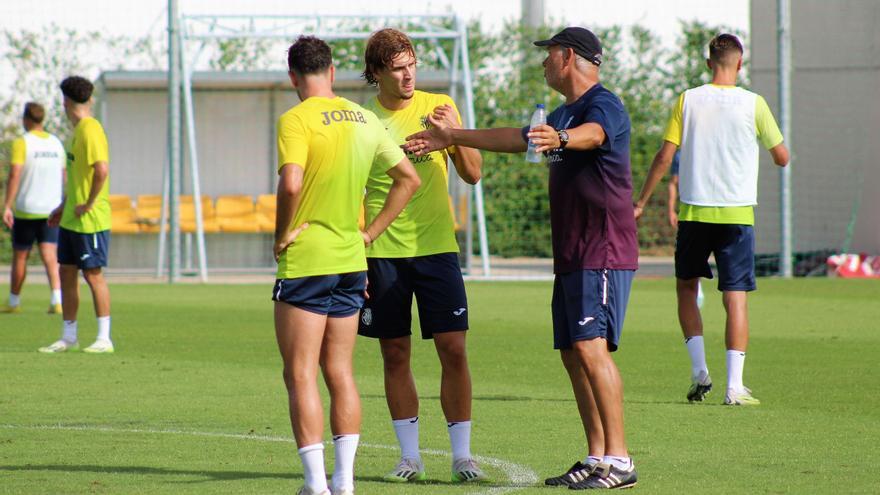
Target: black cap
581, 40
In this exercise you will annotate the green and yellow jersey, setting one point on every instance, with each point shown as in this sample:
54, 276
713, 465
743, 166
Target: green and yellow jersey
87, 146
426, 225
338, 144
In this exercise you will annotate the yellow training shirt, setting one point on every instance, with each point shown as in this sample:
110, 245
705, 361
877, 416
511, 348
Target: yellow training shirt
87, 146
338, 144
426, 225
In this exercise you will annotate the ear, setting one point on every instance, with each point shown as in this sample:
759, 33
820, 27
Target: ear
567, 56
739, 64
293, 79
709, 63
332, 73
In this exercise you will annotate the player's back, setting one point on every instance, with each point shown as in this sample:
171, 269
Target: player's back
336, 142
43, 158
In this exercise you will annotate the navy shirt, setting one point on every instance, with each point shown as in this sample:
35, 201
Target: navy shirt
591, 205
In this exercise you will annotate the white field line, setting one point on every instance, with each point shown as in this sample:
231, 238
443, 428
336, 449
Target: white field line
518, 476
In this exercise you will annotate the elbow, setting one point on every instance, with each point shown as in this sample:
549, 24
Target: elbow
472, 177
415, 183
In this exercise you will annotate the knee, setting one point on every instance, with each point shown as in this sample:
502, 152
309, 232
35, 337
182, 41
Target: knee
570, 360
295, 377
453, 354
93, 275
395, 355
338, 377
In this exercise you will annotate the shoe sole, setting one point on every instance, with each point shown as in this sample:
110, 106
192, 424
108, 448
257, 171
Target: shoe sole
397, 479
111, 351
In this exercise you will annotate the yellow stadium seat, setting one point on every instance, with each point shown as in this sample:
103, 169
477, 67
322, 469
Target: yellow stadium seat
266, 204
122, 215
237, 214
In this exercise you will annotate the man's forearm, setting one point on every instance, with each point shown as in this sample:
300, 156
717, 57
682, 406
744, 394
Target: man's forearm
502, 139
284, 212
12, 185
98, 179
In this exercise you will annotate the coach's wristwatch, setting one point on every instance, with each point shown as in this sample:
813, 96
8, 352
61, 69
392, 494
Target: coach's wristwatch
563, 138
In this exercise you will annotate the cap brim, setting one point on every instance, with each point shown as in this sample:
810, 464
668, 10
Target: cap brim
545, 43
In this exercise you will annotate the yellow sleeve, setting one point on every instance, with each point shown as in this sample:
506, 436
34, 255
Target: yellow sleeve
765, 125
388, 152
97, 149
19, 152
674, 127
293, 141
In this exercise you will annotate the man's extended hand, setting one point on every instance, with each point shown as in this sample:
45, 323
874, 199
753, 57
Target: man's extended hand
545, 138
282, 244
422, 143
8, 217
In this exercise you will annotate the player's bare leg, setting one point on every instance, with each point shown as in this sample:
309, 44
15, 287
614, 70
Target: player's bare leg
586, 403
400, 385
737, 341
49, 255
689, 317
100, 292
19, 270
607, 388
455, 381
69, 275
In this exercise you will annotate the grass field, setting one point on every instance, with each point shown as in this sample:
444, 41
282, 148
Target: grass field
192, 401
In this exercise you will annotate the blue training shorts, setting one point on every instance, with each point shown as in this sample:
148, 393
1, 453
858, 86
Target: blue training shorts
86, 251
590, 304
26, 231
336, 296
734, 249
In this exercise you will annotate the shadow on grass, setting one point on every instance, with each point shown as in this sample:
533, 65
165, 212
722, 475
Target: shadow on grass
488, 398
154, 471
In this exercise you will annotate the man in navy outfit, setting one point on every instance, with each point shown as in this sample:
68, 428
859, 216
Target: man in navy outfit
595, 248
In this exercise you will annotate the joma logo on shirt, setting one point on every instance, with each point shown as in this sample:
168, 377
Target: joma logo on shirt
343, 115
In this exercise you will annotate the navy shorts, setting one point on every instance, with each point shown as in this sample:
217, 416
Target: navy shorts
336, 296
26, 231
734, 249
83, 250
436, 282
590, 304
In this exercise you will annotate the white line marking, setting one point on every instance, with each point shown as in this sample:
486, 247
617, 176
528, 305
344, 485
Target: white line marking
519, 476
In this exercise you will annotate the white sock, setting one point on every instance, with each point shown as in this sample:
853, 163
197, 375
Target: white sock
14, 300
591, 459
698, 356
312, 457
68, 331
460, 438
407, 431
103, 328
56, 297
736, 360
624, 463
343, 472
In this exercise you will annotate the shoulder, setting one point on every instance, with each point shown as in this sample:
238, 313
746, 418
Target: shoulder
432, 99
91, 127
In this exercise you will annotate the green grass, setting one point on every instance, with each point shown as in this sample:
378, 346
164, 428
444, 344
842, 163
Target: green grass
193, 398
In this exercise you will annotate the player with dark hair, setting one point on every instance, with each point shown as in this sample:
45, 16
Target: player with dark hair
718, 127
84, 216
327, 147
595, 249
33, 190
418, 256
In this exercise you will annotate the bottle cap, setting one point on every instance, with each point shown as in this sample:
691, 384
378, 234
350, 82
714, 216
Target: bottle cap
539, 105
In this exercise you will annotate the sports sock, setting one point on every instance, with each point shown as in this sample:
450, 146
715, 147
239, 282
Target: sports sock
68, 331
697, 354
56, 297
103, 328
736, 360
343, 472
460, 438
407, 431
312, 457
624, 463
591, 460
14, 300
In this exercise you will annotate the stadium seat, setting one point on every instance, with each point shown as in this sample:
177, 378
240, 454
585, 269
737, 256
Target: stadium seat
148, 212
122, 215
237, 214
188, 215
266, 204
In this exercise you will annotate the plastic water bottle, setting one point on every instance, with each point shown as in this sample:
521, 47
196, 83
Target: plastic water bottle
538, 118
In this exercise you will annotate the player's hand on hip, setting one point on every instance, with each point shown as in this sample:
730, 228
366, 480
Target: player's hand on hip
368, 239
82, 209
422, 143
444, 117
282, 244
545, 138
8, 217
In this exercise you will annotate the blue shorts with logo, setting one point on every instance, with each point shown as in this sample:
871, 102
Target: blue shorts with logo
26, 231
336, 296
436, 282
83, 250
734, 249
590, 304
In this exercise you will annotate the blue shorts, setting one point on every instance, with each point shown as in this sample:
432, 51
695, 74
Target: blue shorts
336, 296
436, 282
26, 231
734, 249
590, 304
83, 250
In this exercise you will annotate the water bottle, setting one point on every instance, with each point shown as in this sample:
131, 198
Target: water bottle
538, 118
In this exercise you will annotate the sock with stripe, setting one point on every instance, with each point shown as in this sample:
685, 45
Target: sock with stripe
407, 431
345, 447
460, 438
